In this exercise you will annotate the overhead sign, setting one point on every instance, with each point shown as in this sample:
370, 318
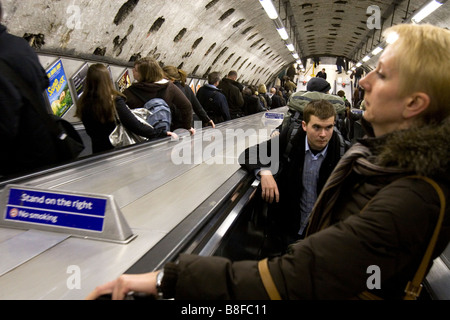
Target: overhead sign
56, 209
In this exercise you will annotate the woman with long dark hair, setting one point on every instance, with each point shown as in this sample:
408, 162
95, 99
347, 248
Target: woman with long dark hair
99, 106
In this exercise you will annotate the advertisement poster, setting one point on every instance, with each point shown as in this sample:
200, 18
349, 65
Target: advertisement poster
78, 80
124, 81
58, 92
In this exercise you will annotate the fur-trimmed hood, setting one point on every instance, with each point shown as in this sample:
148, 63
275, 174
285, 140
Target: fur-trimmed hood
422, 150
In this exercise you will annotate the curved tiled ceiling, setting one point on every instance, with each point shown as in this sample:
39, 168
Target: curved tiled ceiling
204, 35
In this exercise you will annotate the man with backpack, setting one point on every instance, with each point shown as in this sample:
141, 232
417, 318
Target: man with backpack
213, 100
303, 170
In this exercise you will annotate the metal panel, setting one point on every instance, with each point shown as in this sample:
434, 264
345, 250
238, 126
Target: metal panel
154, 194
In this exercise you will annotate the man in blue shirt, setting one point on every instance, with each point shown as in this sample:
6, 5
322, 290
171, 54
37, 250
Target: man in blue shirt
292, 191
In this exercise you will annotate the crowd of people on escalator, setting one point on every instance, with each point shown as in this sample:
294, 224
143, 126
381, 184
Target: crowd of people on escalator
340, 200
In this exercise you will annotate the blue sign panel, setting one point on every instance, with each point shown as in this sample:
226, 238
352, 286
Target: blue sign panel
274, 116
56, 209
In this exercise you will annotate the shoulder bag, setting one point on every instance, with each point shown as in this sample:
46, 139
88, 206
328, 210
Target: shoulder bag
121, 136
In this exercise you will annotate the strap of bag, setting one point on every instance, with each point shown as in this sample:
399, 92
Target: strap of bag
414, 287
31, 97
269, 285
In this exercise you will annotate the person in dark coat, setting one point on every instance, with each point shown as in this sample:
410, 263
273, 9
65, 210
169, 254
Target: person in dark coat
178, 77
252, 103
213, 100
233, 92
276, 99
378, 210
26, 142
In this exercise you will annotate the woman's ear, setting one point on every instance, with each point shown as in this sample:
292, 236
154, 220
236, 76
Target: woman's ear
417, 103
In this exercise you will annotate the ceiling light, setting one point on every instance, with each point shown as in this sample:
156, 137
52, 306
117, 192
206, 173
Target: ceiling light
270, 8
366, 58
392, 37
290, 47
426, 11
283, 33
377, 50
296, 56
359, 64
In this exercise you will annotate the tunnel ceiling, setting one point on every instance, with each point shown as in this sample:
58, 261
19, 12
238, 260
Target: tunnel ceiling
203, 35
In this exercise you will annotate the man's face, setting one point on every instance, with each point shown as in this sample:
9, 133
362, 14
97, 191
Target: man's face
318, 132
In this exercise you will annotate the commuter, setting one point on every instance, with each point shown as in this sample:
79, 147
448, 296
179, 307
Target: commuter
385, 223
99, 106
233, 92
213, 100
307, 161
322, 74
26, 142
276, 99
340, 63
341, 93
152, 84
262, 90
316, 61
252, 103
178, 77
291, 72
357, 73
290, 87
281, 95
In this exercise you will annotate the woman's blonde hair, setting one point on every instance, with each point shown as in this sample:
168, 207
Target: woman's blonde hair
423, 52
262, 88
97, 100
175, 74
149, 70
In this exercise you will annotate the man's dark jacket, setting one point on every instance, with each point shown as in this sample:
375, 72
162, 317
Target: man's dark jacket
25, 140
233, 92
285, 215
214, 103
